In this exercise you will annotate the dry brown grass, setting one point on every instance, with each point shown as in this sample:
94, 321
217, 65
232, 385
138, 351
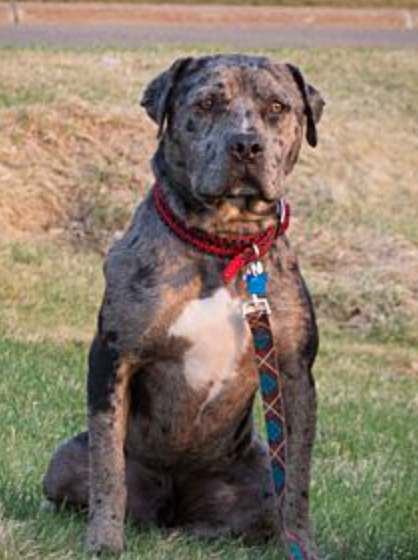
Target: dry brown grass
74, 154
362, 246
71, 170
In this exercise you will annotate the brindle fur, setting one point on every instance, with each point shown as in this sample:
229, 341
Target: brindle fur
160, 446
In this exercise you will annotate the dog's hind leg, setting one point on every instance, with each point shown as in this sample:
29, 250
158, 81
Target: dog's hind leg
66, 484
239, 501
66, 480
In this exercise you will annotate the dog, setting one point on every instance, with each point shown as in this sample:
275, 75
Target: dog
172, 379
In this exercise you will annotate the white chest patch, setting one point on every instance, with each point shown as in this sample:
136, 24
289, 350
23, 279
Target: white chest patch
218, 335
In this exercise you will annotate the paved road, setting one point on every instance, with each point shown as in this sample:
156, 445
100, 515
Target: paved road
87, 25
126, 35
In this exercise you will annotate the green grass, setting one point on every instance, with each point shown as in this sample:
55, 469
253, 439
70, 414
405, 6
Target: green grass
56, 294
74, 153
364, 492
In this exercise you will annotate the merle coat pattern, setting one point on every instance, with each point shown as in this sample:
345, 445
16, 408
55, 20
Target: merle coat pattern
172, 381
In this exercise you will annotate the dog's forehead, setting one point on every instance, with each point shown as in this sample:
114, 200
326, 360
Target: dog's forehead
239, 74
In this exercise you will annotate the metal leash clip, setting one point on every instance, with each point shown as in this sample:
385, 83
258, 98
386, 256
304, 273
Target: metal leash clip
255, 305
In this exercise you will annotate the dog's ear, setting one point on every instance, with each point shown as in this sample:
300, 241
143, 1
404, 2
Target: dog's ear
157, 98
313, 104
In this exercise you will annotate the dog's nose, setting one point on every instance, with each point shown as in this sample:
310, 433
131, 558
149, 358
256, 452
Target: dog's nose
246, 147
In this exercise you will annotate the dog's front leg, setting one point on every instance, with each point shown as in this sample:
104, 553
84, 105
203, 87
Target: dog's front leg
107, 399
300, 403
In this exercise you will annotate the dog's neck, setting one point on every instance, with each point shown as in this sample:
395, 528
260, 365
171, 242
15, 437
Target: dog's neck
176, 193
226, 217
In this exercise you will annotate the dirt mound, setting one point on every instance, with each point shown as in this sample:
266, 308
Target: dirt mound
71, 171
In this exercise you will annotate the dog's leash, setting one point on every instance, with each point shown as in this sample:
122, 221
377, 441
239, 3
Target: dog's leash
257, 310
245, 253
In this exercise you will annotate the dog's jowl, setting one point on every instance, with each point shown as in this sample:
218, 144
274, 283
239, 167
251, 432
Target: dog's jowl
172, 378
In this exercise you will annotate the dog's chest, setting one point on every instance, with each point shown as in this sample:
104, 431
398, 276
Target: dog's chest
217, 337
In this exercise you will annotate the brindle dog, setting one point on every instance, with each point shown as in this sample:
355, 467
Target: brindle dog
172, 376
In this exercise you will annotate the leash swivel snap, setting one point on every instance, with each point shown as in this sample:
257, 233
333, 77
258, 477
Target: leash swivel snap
256, 305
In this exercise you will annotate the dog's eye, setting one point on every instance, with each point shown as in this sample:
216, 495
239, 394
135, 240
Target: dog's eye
206, 104
277, 107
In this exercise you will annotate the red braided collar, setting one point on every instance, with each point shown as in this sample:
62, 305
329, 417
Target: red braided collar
241, 249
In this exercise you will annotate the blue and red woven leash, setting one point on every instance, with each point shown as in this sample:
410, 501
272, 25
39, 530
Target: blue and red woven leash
257, 312
244, 254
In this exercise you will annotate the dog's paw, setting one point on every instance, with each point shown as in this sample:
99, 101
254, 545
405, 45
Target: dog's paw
104, 538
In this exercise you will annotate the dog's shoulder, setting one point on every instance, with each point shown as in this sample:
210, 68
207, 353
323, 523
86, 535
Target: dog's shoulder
149, 277
131, 270
134, 246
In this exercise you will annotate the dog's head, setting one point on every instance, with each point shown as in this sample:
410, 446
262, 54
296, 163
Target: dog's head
231, 128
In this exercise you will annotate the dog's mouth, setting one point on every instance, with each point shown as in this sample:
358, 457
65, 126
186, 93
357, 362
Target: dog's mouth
247, 196
251, 206
241, 207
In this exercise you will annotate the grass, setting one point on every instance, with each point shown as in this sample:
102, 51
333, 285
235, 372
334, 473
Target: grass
74, 150
364, 496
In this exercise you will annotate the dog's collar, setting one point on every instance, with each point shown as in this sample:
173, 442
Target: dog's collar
241, 249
